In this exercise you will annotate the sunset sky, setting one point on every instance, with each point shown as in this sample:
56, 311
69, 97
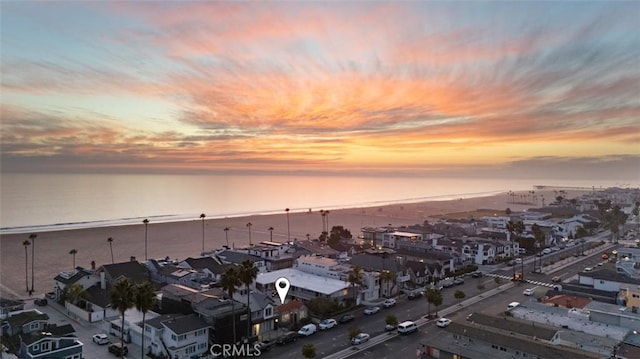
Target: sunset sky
321, 87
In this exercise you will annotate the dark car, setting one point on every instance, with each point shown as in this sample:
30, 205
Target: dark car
40, 301
288, 337
266, 345
347, 318
118, 350
414, 295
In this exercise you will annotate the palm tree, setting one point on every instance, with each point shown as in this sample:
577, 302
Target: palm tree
270, 229
73, 253
387, 277
33, 237
144, 298
110, 240
122, 298
202, 215
247, 273
226, 235
355, 278
326, 221
323, 218
249, 226
26, 244
288, 227
146, 225
230, 282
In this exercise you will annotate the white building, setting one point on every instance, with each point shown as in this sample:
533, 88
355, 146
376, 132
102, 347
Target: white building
304, 286
389, 239
177, 336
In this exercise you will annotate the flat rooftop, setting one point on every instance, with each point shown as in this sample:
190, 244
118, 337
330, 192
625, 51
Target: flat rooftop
300, 279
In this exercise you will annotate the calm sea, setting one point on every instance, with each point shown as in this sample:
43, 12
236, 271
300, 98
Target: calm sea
37, 202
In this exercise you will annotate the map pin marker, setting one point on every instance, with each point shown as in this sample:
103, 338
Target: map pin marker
282, 286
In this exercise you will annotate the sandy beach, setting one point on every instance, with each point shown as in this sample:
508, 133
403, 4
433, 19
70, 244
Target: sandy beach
183, 239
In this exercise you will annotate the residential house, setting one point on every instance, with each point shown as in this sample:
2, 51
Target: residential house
422, 272
166, 272
211, 267
24, 322
312, 247
375, 235
276, 255
290, 313
389, 239
48, 346
382, 263
479, 252
134, 270
263, 316
305, 286
178, 336
8, 306
85, 278
229, 256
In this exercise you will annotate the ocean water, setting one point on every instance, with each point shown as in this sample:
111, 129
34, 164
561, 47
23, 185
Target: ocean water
38, 202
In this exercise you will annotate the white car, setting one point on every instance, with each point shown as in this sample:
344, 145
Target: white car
371, 310
101, 339
528, 291
443, 322
327, 324
588, 269
389, 303
307, 330
360, 338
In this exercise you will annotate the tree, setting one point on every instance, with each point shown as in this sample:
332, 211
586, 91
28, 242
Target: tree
309, 351
73, 253
288, 227
247, 273
249, 227
498, 281
354, 331
355, 278
73, 293
434, 297
122, 298
110, 240
459, 295
581, 232
515, 229
229, 282
538, 235
270, 229
26, 244
202, 215
391, 320
388, 277
507, 211
146, 226
144, 299
226, 235
33, 237
613, 219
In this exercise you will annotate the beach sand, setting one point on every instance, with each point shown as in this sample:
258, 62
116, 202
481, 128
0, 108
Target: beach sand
180, 240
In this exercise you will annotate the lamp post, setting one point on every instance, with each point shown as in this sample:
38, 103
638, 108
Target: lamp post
288, 228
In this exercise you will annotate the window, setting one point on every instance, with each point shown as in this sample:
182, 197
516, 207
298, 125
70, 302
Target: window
268, 312
45, 347
36, 347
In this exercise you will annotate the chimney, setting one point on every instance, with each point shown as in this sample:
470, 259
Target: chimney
93, 265
133, 258
103, 282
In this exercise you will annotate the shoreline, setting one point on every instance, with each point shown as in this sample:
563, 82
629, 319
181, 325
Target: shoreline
185, 238
185, 217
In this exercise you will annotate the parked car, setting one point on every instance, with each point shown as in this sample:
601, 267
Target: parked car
588, 269
51, 295
407, 327
447, 283
458, 281
266, 345
307, 330
327, 324
414, 295
476, 274
40, 301
371, 310
347, 318
556, 279
605, 256
101, 339
389, 328
529, 291
389, 303
360, 338
118, 350
288, 337
443, 322
513, 305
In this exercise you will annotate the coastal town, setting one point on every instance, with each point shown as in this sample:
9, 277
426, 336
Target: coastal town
558, 279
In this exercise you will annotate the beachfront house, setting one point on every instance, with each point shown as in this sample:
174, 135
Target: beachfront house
374, 236
275, 255
177, 336
211, 268
389, 239
82, 277
45, 345
312, 247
